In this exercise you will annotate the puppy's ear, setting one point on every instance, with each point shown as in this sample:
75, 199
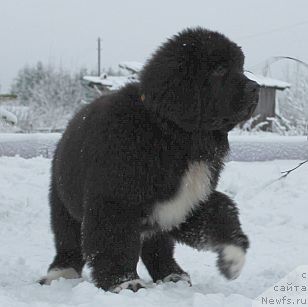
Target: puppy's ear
168, 84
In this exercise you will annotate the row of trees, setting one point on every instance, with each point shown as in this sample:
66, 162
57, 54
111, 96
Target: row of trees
293, 102
52, 95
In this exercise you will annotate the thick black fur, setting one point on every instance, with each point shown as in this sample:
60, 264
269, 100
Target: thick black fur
126, 152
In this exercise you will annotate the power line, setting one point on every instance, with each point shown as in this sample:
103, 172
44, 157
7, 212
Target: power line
275, 30
274, 59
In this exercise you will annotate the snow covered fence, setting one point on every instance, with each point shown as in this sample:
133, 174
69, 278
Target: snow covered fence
28, 145
243, 148
266, 148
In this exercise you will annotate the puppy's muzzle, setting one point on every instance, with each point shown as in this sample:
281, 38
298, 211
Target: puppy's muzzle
251, 92
251, 97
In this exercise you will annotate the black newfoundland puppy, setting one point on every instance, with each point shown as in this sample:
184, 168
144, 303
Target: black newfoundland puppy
136, 170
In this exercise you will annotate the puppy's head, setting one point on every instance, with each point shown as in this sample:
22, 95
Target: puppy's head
196, 80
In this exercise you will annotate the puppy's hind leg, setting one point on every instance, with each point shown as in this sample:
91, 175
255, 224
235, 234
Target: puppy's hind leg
215, 225
68, 262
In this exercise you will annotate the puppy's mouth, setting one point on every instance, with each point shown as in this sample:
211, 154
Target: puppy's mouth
247, 113
224, 124
229, 122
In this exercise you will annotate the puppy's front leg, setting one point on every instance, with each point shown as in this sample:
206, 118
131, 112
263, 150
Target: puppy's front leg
215, 225
111, 243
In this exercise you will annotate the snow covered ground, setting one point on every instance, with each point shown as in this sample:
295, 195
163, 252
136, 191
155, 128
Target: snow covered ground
273, 214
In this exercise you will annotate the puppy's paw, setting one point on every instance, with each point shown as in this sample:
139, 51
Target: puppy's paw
175, 277
231, 260
56, 273
133, 285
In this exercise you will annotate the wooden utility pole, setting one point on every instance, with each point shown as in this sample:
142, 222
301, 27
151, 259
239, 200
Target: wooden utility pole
99, 56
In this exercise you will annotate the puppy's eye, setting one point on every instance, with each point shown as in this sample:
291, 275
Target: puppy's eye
220, 70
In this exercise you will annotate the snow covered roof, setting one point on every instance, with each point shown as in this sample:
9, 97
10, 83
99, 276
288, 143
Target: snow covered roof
21, 112
266, 81
134, 67
110, 82
7, 116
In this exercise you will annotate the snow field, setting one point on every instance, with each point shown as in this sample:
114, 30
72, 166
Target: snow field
273, 214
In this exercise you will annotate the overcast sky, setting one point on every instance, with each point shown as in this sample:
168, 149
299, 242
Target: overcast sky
64, 32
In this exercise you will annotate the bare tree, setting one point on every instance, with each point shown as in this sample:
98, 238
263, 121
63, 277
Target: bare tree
293, 103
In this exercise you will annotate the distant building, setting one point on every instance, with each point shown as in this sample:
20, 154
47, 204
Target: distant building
105, 83
4, 98
13, 117
267, 100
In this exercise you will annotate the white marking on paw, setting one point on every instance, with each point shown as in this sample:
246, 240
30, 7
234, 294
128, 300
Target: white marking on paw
53, 274
177, 277
195, 187
234, 255
127, 284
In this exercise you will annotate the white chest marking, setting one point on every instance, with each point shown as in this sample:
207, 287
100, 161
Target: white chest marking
195, 187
